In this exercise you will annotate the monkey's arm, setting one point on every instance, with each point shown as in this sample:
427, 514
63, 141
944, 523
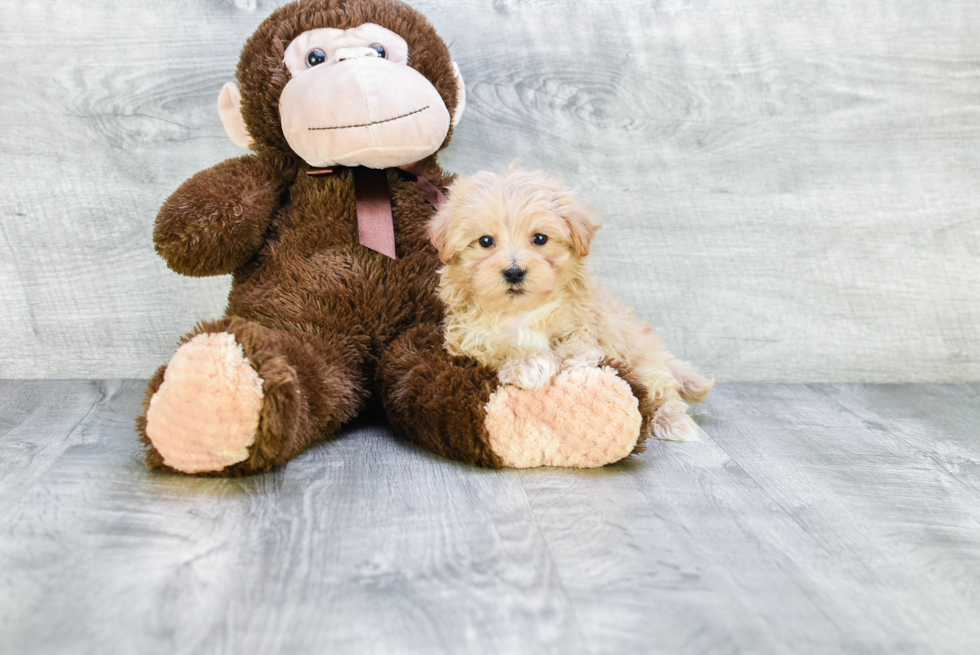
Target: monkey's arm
216, 221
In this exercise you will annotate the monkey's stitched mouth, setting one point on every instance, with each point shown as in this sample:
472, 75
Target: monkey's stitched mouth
387, 120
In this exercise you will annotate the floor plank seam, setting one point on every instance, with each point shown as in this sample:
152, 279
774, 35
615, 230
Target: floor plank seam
104, 398
782, 508
554, 565
881, 427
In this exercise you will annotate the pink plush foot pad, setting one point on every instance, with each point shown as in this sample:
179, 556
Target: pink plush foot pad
205, 415
586, 418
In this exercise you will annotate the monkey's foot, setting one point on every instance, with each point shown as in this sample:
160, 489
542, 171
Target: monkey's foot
586, 418
205, 415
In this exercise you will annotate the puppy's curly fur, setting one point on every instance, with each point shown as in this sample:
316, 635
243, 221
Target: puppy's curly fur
521, 299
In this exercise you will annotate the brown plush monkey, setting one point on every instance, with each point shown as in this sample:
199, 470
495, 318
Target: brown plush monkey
345, 104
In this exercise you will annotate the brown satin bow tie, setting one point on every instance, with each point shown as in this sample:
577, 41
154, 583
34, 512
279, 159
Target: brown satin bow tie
375, 227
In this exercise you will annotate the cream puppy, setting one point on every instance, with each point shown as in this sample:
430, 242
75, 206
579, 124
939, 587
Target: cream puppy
521, 299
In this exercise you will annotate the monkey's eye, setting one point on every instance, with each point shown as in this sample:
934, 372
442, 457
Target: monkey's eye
315, 57
540, 239
380, 49
486, 242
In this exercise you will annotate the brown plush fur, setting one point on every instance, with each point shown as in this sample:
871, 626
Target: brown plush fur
428, 395
217, 220
315, 312
642, 394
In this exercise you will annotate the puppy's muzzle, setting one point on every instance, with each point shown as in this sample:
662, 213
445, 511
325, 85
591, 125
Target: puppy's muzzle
514, 274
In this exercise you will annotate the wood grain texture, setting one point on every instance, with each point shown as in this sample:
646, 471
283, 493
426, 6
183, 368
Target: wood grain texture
789, 190
797, 525
892, 529
917, 419
364, 545
809, 519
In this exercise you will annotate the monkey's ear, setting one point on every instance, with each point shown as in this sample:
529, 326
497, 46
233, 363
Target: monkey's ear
230, 111
460, 94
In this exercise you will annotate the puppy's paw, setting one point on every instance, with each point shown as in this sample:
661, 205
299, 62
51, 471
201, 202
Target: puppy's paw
671, 423
589, 358
693, 387
530, 373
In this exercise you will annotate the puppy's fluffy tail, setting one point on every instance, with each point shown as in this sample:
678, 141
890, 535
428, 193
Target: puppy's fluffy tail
693, 387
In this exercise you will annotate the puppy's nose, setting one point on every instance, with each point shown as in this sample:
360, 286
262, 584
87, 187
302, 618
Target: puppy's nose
514, 274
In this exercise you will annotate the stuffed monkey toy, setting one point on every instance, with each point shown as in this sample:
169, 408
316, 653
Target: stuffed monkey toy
345, 105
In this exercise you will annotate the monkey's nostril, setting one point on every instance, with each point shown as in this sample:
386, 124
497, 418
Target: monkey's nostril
514, 274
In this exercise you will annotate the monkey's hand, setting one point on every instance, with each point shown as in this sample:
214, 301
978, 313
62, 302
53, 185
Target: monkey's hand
532, 372
216, 221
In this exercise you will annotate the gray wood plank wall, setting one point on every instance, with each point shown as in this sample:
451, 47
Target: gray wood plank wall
790, 189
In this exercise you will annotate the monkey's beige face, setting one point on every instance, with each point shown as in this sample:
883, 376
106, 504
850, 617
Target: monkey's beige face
506, 243
353, 100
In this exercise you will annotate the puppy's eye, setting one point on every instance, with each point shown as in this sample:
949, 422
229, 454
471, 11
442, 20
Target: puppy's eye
540, 239
380, 49
315, 57
486, 242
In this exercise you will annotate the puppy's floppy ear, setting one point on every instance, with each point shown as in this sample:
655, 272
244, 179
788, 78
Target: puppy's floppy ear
581, 220
439, 230
440, 227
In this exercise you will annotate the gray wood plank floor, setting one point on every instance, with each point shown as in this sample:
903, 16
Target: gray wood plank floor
809, 519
